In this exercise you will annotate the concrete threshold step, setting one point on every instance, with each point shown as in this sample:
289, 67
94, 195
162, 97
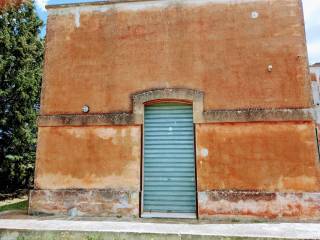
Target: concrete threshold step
95, 230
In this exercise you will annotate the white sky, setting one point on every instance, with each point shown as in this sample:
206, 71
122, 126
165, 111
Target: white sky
41, 4
312, 23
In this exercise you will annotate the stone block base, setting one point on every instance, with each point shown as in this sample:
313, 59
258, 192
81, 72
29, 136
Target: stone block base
211, 204
260, 205
110, 203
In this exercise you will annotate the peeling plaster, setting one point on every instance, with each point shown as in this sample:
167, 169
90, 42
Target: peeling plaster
134, 6
106, 133
77, 19
204, 152
134, 133
129, 179
96, 202
76, 132
76, 10
276, 205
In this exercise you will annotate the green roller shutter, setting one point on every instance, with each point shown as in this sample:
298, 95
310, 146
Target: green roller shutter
169, 159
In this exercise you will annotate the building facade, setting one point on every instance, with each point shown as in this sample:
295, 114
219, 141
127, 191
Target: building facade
315, 69
315, 82
184, 109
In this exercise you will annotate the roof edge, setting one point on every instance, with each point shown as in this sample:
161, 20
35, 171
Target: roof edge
315, 65
94, 3
110, 2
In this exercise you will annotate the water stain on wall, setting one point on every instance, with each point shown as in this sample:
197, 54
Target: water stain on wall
89, 157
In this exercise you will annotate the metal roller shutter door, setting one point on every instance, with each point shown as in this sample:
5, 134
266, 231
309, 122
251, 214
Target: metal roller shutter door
169, 159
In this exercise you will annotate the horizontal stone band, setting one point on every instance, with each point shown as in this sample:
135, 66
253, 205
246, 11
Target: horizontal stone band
225, 116
211, 204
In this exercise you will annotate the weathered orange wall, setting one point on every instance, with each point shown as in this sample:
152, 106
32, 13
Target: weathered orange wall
89, 157
217, 48
257, 156
100, 54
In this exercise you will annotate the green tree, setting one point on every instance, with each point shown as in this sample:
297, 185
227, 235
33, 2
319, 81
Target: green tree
21, 57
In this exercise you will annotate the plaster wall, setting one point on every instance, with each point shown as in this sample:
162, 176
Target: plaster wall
256, 151
113, 51
258, 170
279, 156
89, 158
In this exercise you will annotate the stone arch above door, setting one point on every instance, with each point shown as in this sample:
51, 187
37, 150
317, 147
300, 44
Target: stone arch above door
180, 94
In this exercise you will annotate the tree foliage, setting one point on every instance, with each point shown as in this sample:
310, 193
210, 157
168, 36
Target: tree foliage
21, 57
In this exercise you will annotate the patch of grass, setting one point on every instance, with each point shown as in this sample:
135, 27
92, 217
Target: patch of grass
23, 205
92, 238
